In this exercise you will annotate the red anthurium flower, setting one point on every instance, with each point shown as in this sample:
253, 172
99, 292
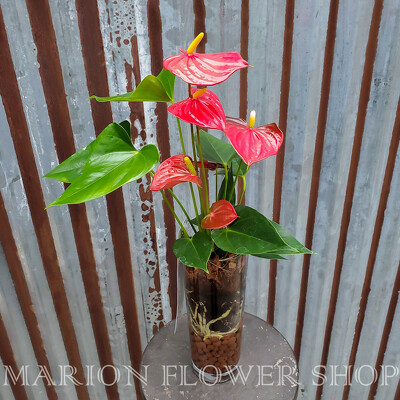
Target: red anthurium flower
204, 69
253, 143
222, 213
174, 170
203, 109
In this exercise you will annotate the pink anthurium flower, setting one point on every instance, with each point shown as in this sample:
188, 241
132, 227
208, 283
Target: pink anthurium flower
174, 170
203, 109
222, 213
204, 69
253, 144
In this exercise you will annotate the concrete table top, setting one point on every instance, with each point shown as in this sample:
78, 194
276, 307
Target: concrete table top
267, 367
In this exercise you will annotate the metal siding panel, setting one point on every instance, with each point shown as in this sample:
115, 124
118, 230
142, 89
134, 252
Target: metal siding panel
380, 117
266, 32
266, 38
21, 223
5, 390
385, 93
346, 79
97, 81
53, 86
66, 27
24, 297
392, 357
310, 25
10, 313
24, 56
116, 56
155, 29
178, 31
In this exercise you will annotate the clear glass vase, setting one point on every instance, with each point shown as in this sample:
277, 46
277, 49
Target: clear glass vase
215, 302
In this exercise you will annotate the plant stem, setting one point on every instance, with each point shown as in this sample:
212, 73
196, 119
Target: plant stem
226, 180
195, 166
203, 170
244, 185
203, 208
194, 148
183, 209
196, 211
235, 181
216, 184
197, 169
174, 213
180, 135
243, 190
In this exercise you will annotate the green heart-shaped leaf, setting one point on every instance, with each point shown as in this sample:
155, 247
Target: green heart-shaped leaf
214, 149
113, 162
127, 127
113, 138
194, 251
168, 80
252, 233
270, 256
294, 246
71, 168
151, 88
238, 166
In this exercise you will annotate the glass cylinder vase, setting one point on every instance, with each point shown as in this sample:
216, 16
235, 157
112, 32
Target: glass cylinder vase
215, 303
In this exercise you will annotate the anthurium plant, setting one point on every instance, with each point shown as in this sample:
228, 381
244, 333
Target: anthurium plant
222, 228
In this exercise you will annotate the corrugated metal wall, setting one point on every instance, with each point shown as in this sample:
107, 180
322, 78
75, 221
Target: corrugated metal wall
90, 284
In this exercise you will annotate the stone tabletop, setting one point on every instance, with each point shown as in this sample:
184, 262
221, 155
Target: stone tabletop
267, 367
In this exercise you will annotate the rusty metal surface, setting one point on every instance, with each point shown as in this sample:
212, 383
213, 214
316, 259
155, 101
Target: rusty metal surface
332, 80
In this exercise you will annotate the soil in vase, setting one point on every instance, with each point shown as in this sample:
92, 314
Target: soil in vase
215, 303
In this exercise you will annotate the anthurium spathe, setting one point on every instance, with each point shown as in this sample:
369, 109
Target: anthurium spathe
253, 144
174, 170
206, 69
222, 213
203, 108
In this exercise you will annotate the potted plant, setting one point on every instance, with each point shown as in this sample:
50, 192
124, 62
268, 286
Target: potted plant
213, 248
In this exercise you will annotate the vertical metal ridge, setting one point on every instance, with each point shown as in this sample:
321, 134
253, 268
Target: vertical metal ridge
96, 77
7, 356
54, 91
283, 111
397, 394
20, 135
244, 50
385, 334
23, 295
370, 54
156, 53
380, 216
199, 10
137, 111
315, 177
